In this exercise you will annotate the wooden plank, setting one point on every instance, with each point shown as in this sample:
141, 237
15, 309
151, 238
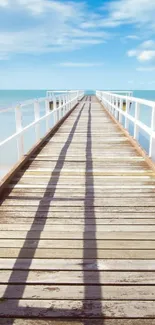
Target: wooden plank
77, 277
76, 292
78, 235
106, 202
79, 221
60, 253
79, 244
78, 228
73, 321
99, 191
87, 210
74, 308
75, 215
77, 264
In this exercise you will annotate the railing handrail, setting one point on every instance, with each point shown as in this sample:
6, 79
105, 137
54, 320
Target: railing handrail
16, 134
62, 104
31, 101
114, 104
135, 99
118, 91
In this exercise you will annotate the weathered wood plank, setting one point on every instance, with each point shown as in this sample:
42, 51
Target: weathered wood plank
77, 277
144, 235
74, 215
77, 308
76, 292
86, 210
106, 202
80, 244
60, 253
77, 264
77, 228
73, 321
79, 221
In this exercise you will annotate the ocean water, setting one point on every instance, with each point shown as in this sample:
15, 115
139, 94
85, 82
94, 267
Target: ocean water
11, 98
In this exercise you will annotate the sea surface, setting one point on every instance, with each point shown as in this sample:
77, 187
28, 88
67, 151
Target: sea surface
11, 98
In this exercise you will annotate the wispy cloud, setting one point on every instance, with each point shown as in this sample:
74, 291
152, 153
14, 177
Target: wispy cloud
3, 3
124, 12
132, 37
80, 64
145, 52
47, 26
138, 12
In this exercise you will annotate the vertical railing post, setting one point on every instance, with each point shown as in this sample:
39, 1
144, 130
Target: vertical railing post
113, 109
47, 108
70, 98
111, 103
63, 105
20, 142
54, 109
116, 109
120, 112
67, 107
64, 102
37, 116
152, 136
126, 113
136, 128
58, 110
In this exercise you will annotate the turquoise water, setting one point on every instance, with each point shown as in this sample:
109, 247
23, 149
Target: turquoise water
11, 98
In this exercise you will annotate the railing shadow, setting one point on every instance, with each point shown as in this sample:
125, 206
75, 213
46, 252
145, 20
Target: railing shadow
88, 206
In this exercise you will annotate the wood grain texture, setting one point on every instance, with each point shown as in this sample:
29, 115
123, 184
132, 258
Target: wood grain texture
77, 229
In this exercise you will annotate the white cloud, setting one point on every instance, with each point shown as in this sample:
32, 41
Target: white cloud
144, 52
132, 37
124, 12
131, 11
80, 64
55, 28
132, 53
146, 56
41, 6
148, 44
4, 3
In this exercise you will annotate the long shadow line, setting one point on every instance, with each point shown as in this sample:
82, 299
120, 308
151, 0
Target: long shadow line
59, 165
89, 206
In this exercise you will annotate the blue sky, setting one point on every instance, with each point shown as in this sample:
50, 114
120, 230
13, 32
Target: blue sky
77, 44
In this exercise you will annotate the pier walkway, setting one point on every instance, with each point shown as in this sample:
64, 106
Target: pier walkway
77, 229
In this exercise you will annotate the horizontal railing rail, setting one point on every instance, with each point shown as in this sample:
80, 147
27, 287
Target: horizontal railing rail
56, 106
127, 110
122, 92
53, 93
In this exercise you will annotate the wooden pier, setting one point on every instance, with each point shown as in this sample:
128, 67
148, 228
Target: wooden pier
77, 228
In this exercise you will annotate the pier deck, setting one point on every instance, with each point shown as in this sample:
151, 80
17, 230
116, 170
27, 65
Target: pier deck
77, 229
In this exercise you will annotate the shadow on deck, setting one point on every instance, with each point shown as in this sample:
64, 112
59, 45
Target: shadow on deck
75, 315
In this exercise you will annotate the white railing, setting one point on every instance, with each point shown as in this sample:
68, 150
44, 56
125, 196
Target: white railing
127, 110
52, 93
122, 92
56, 106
